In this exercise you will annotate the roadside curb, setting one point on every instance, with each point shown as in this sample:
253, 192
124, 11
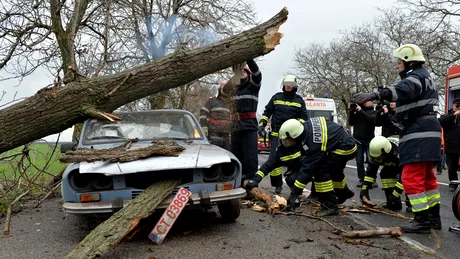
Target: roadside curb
414, 244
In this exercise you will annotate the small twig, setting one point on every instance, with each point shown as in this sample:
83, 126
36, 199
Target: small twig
394, 214
48, 194
312, 217
119, 85
6, 229
10, 156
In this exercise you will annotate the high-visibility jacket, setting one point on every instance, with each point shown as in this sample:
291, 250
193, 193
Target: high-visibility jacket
282, 107
323, 137
284, 156
416, 98
245, 99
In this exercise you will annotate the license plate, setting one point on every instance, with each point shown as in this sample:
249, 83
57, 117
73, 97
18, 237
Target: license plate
170, 215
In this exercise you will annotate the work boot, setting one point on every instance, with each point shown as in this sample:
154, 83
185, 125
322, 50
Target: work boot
327, 211
420, 224
278, 190
393, 202
435, 218
344, 194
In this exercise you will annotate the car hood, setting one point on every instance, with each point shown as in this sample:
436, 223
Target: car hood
194, 156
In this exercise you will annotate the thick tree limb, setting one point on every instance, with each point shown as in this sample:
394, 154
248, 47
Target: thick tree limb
122, 154
109, 233
37, 116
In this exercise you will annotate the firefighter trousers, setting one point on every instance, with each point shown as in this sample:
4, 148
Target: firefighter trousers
244, 147
330, 181
276, 178
419, 181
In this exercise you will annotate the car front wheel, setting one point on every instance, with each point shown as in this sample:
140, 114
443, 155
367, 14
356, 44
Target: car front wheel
230, 210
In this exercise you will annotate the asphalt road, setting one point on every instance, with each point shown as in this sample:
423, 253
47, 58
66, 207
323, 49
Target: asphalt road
46, 233
444, 243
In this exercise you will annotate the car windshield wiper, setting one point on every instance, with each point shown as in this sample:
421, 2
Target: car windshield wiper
106, 137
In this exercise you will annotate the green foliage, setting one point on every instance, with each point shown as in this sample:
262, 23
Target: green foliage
41, 157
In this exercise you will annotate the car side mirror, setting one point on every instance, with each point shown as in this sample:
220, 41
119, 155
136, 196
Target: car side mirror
67, 146
217, 141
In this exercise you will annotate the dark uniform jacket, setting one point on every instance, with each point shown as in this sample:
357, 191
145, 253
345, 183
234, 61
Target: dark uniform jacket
416, 97
282, 107
388, 122
284, 156
245, 99
322, 137
451, 126
215, 115
363, 123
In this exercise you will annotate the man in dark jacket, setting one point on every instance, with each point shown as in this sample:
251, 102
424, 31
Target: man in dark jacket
450, 123
387, 119
363, 121
215, 117
244, 126
282, 107
420, 142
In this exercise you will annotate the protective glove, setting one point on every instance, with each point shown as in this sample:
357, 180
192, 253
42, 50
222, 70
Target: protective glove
294, 201
364, 196
364, 97
262, 132
205, 130
251, 183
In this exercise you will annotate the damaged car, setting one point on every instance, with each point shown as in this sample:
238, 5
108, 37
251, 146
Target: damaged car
211, 173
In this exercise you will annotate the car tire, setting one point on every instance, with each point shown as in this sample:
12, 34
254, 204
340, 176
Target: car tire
230, 210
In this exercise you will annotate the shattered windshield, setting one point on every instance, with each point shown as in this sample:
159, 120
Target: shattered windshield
147, 125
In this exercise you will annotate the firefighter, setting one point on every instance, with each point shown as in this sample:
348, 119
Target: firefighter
420, 142
327, 147
281, 107
244, 120
385, 151
215, 117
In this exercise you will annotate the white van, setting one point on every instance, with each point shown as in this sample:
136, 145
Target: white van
321, 107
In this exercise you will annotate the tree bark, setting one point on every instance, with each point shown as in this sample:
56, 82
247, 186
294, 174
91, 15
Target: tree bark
52, 110
392, 231
109, 233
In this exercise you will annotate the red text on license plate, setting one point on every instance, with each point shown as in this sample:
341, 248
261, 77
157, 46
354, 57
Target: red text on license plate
170, 215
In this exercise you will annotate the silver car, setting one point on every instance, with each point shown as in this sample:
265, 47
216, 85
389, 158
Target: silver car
211, 173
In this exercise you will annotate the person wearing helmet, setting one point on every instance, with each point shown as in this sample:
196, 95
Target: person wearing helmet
282, 106
385, 151
215, 116
245, 98
420, 142
289, 157
328, 147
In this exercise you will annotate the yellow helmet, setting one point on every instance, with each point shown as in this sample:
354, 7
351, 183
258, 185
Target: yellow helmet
379, 146
409, 52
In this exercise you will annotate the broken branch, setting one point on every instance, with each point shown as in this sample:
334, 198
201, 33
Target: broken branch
312, 217
392, 231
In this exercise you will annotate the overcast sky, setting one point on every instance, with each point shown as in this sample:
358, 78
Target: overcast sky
309, 21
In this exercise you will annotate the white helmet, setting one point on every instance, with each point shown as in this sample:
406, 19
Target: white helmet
291, 132
289, 79
379, 146
409, 52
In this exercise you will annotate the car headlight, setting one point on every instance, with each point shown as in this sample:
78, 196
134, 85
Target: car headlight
102, 182
219, 172
79, 181
89, 182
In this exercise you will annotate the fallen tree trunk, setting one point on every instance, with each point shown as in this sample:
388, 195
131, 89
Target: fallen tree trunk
52, 110
392, 231
122, 154
109, 233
